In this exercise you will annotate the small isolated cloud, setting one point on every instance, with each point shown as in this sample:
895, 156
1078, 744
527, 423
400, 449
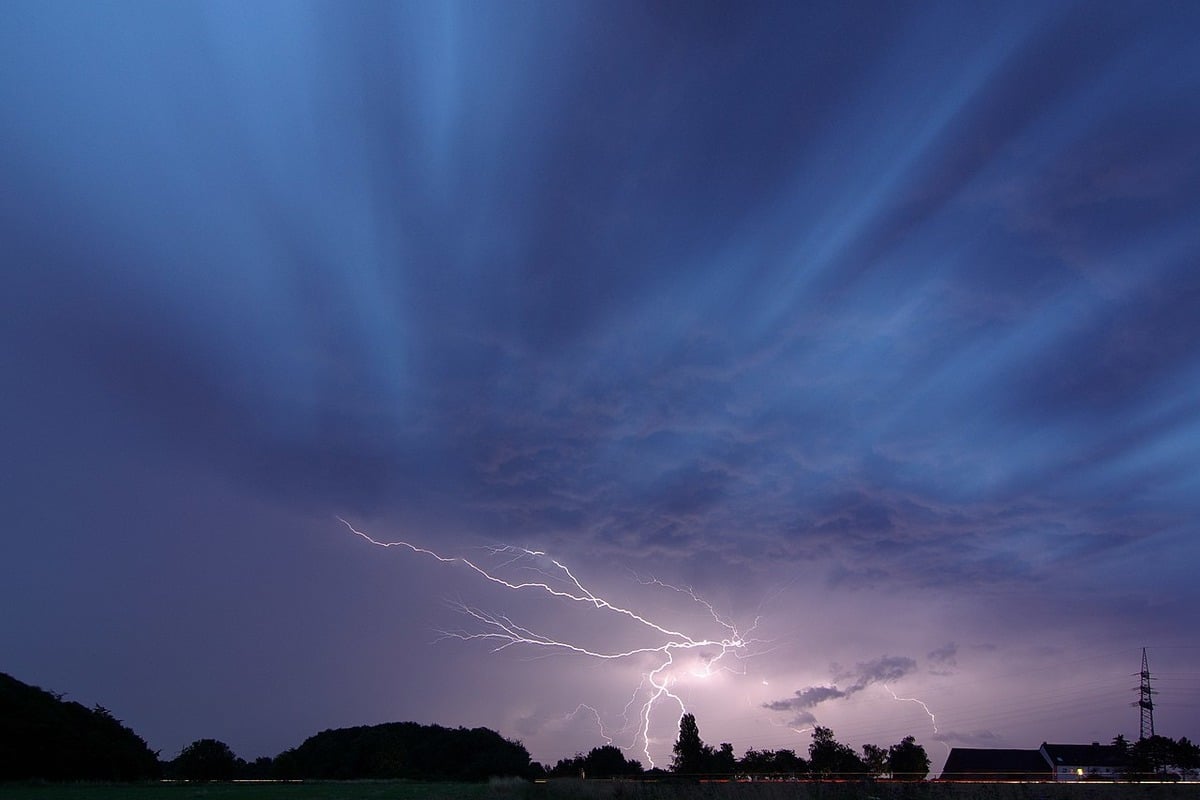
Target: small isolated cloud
884, 669
944, 656
806, 698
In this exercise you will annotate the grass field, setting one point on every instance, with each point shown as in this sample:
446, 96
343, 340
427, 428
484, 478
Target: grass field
334, 790
506, 789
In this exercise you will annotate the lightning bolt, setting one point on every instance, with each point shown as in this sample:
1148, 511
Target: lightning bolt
921, 703
559, 582
599, 722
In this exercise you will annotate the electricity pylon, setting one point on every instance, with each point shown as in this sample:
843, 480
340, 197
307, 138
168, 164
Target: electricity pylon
1146, 699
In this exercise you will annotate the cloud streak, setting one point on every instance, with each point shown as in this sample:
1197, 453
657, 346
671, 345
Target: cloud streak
882, 670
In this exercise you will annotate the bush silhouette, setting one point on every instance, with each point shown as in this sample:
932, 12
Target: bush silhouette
205, 760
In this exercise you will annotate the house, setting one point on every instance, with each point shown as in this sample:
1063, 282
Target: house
1076, 762
987, 764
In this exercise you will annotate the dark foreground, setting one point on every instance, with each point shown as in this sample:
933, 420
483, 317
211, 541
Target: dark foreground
599, 790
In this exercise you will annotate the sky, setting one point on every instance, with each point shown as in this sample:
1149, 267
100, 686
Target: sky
798, 363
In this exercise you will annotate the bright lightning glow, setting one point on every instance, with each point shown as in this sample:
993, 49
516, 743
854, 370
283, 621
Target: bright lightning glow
502, 632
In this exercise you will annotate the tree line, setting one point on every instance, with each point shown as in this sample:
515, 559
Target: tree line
1153, 758
430, 752
827, 758
692, 758
1158, 757
44, 737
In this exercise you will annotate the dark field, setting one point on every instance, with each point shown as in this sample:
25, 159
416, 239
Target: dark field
337, 790
599, 790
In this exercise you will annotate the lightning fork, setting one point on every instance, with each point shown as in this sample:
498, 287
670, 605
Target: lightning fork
502, 632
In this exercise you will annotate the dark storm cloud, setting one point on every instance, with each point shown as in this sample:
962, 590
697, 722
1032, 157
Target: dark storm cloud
805, 698
880, 670
395, 348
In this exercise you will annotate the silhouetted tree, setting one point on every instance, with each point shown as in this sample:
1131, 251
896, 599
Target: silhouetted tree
1151, 757
828, 757
404, 750
600, 762
1156, 756
205, 760
908, 761
569, 767
875, 758
723, 761
756, 762
772, 762
788, 761
1186, 755
609, 762
690, 752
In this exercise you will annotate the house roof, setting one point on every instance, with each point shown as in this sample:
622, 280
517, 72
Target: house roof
975, 762
1084, 755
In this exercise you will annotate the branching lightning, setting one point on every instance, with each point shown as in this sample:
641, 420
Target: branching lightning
559, 582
